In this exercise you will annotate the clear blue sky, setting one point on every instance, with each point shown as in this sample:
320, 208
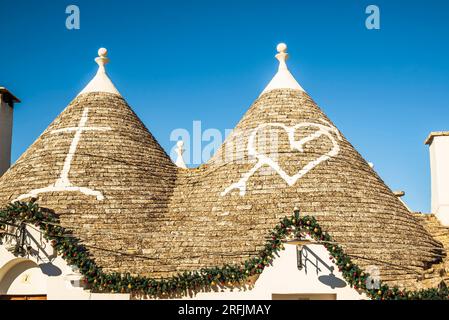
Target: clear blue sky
179, 61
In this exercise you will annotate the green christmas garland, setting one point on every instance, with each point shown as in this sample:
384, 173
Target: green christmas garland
187, 283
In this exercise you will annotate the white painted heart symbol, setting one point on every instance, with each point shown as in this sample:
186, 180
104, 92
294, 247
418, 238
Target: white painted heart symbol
327, 130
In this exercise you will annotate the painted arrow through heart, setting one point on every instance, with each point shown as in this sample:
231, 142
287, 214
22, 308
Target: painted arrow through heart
325, 129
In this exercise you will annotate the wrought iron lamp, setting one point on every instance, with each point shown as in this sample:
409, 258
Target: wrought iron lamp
299, 241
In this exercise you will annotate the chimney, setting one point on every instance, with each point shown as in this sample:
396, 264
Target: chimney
7, 101
439, 166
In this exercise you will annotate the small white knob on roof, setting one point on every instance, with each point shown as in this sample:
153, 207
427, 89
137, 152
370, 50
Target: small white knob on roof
102, 52
179, 152
282, 55
281, 47
101, 60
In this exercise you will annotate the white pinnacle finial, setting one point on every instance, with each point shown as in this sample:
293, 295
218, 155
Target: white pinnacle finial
283, 78
179, 152
102, 60
101, 81
282, 55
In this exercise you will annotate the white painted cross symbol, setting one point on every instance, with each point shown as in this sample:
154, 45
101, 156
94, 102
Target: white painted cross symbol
63, 183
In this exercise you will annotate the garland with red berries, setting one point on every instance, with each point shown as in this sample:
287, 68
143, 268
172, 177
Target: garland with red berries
189, 283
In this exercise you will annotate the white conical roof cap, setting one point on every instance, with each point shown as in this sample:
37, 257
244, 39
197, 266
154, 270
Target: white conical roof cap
283, 78
101, 81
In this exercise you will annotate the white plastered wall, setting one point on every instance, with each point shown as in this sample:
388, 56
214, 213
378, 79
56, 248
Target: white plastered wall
318, 278
47, 274
42, 273
439, 163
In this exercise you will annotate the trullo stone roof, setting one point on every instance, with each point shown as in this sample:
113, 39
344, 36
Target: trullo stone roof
99, 167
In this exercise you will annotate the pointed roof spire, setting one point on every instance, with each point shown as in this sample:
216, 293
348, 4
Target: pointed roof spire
179, 153
101, 81
283, 78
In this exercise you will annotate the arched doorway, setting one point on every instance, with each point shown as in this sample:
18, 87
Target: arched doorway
22, 279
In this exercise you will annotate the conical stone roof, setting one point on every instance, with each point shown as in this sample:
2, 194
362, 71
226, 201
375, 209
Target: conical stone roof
139, 213
286, 152
325, 177
99, 167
